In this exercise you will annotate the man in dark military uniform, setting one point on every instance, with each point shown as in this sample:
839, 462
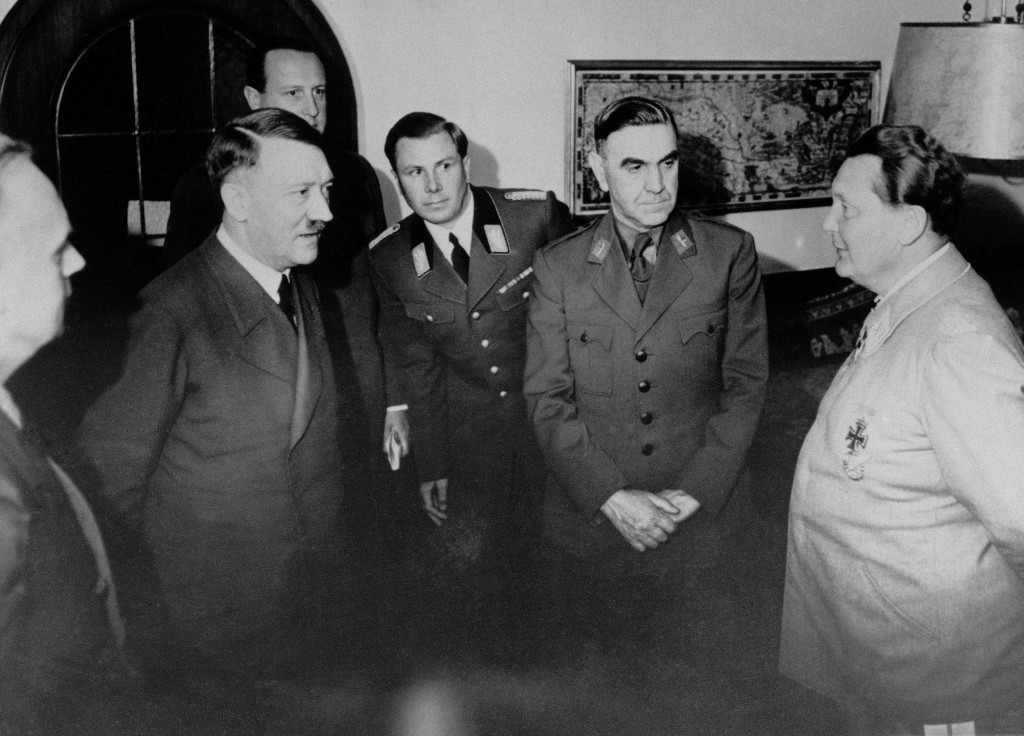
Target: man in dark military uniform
645, 377
454, 279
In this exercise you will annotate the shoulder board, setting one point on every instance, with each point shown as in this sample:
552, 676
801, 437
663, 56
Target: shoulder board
524, 194
715, 221
574, 233
384, 235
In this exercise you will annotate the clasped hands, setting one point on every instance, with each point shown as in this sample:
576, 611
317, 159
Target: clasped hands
647, 519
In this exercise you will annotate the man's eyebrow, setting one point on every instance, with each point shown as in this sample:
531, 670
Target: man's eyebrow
673, 156
631, 161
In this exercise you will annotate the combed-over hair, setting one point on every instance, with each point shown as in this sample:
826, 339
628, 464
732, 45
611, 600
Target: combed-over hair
236, 145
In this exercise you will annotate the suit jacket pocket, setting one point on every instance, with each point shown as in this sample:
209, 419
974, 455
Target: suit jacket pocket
431, 314
590, 357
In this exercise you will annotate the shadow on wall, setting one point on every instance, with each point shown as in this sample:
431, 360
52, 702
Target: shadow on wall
483, 172
990, 233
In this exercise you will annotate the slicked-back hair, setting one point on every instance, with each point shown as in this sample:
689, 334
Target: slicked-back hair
916, 170
236, 145
628, 111
256, 61
423, 125
10, 149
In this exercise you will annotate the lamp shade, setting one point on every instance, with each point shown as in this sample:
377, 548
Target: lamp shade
964, 84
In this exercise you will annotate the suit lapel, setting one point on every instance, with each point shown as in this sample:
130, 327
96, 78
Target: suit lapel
612, 282
308, 377
265, 339
490, 248
671, 274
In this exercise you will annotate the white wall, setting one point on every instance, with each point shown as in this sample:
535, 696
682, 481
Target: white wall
498, 68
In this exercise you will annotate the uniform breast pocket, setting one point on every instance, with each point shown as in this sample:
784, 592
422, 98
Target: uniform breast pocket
703, 340
431, 314
590, 355
517, 295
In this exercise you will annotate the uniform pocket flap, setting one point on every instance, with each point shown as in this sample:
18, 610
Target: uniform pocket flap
431, 313
587, 334
708, 324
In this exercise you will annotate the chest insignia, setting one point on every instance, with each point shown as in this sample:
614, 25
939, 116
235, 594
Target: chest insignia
600, 249
496, 239
856, 442
420, 261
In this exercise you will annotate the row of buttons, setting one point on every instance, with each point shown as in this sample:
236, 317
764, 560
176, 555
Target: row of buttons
646, 417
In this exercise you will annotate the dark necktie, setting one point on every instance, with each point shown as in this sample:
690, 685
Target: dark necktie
284, 293
460, 258
639, 267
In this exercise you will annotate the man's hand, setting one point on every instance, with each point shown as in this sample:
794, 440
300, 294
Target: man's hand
396, 436
435, 499
683, 501
644, 519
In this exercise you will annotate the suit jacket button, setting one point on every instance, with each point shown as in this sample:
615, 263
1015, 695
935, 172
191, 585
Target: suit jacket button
644, 386
475, 315
647, 449
646, 418
641, 355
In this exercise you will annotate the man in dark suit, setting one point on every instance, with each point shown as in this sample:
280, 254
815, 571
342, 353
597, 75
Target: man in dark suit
220, 439
59, 624
454, 279
287, 74
646, 367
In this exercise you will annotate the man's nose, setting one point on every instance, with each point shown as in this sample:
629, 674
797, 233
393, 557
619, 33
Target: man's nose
830, 224
319, 208
433, 182
310, 108
655, 180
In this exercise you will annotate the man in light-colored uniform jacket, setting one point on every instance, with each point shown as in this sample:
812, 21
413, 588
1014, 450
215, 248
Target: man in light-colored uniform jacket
904, 596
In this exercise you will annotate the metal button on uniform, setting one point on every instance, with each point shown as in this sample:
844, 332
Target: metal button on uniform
646, 418
583, 337
641, 355
526, 295
503, 394
485, 343
644, 386
430, 318
711, 328
647, 449
475, 315
494, 369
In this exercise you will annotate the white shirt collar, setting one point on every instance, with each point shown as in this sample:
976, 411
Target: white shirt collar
8, 407
909, 275
463, 229
268, 278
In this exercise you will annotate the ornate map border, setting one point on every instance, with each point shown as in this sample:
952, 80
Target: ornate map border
837, 100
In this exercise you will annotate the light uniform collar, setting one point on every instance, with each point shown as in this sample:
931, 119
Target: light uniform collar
903, 280
268, 278
463, 229
8, 407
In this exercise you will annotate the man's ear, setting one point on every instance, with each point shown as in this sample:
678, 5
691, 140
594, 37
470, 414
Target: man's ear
236, 200
914, 221
597, 164
253, 97
465, 165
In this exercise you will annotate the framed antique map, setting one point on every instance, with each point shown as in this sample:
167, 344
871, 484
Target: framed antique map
753, 134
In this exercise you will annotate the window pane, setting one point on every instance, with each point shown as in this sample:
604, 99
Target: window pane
165, 158
99, 176
97, 96
173, 67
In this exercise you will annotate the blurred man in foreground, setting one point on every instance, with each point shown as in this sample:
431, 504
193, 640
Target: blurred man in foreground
59, 627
